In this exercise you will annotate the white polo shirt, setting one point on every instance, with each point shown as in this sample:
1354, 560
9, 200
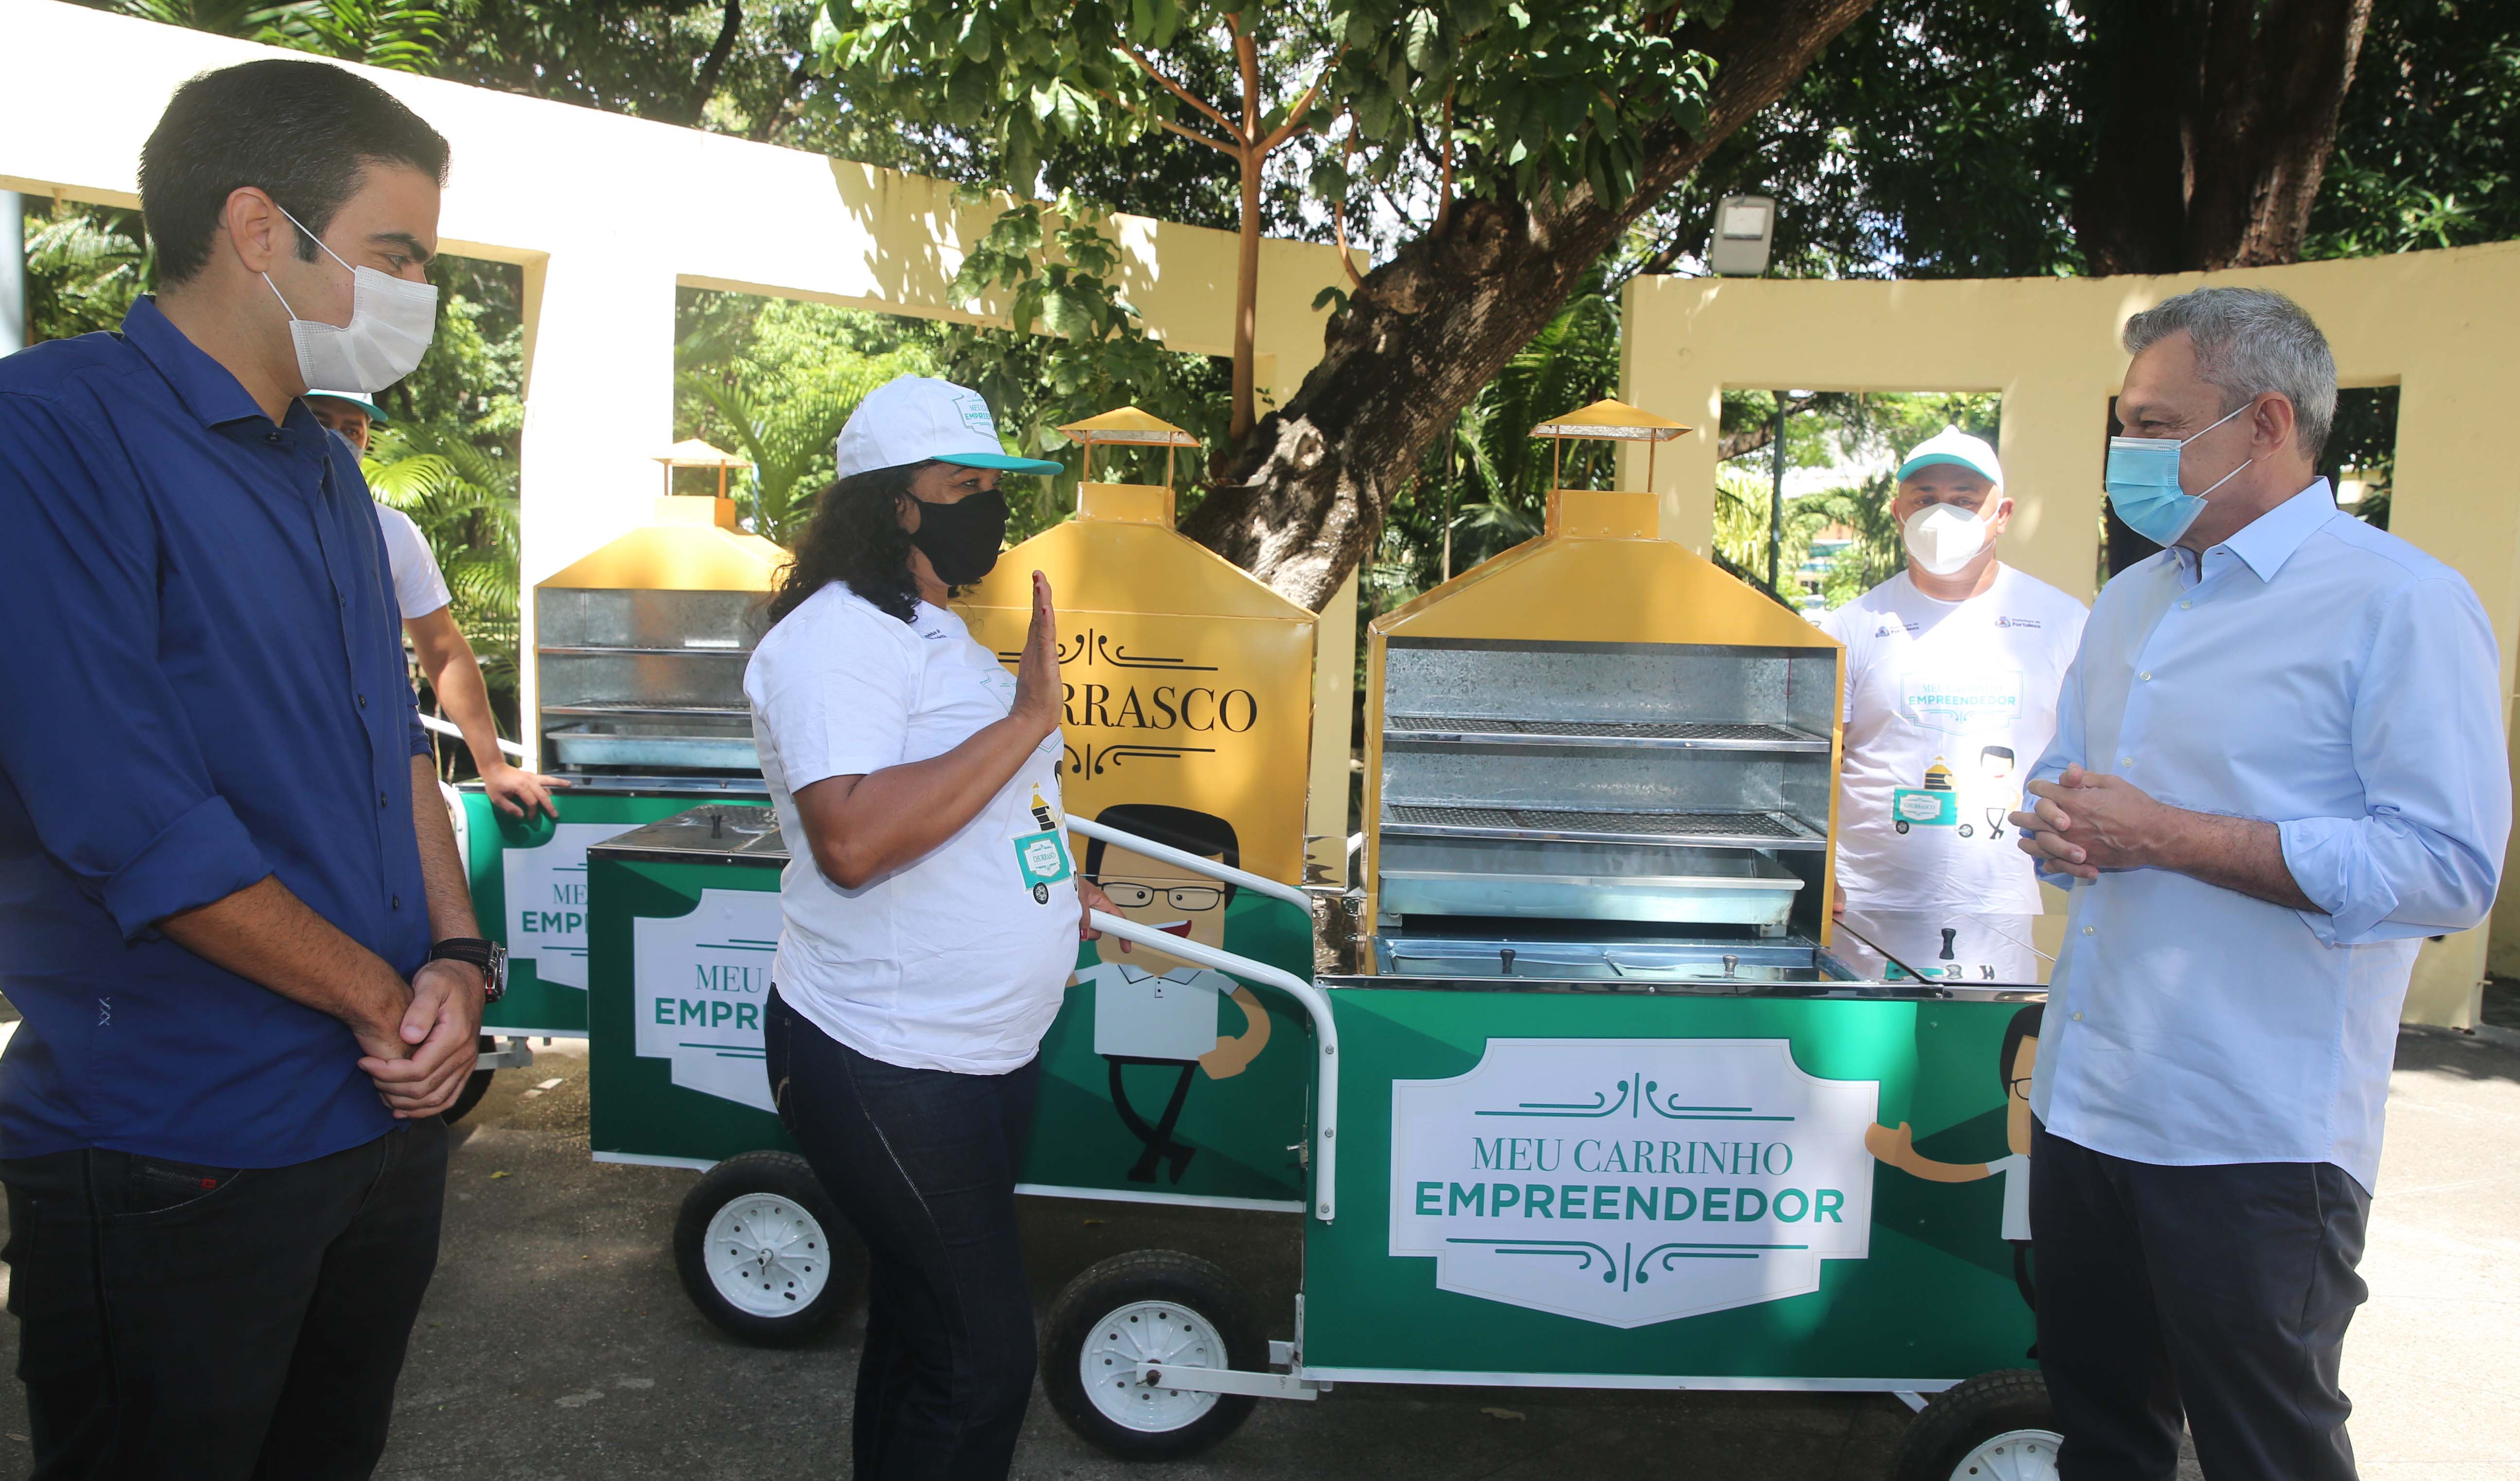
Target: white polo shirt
419, 588
959, 959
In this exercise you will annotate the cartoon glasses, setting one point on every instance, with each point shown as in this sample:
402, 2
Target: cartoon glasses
1129, 894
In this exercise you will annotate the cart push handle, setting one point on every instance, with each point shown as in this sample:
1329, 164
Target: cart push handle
1183, 859
1316, 1004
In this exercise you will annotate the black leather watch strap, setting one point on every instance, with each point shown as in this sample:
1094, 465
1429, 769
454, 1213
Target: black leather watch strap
489, 956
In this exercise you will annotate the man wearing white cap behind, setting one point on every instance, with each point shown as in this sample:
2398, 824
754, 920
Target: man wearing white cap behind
1952, 667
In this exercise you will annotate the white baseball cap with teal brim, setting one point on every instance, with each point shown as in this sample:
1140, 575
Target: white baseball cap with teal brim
920, 418
359, 400
1951, 445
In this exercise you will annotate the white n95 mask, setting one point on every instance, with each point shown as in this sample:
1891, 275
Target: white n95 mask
392, 322
1944, 537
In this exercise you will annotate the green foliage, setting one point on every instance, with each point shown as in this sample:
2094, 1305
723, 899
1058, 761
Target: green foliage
2429, 138
1486, 483
776, 380
464, 499
404, 35
84, 265
1058, 270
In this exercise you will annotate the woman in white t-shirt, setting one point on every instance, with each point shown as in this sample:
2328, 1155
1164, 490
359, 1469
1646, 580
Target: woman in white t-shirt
931, 915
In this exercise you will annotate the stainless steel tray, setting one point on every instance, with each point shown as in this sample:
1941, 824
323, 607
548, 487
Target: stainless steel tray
1508, 961
1543, 880
607, 743
1493, 730
1703, 829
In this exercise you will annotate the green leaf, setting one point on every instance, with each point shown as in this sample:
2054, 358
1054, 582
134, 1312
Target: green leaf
977, 36
1425, 40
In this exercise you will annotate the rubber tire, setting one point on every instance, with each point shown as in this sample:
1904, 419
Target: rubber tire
474, 1088
1149, 1275
785, 1175
1964, 1415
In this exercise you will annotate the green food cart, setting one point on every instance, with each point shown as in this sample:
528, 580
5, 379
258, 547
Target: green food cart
684, 922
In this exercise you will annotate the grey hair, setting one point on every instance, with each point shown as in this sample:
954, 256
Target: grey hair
2251, 342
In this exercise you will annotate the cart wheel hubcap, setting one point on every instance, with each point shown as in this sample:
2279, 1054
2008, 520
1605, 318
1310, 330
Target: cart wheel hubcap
767, 1256
1159, 1332
2016, 1455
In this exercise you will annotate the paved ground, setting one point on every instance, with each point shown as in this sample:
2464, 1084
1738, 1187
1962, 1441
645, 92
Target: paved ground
557, 1345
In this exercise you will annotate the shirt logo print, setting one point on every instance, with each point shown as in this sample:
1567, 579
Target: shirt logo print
104, 1013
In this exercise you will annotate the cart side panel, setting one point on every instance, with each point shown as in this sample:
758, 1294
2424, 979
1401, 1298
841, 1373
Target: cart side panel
544, 926
1242, 1118
1571, 1090
687, 946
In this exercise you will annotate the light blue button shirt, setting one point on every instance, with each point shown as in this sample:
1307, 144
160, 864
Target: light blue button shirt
2329, 678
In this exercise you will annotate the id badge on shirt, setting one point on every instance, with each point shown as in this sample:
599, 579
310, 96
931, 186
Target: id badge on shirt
1041, 853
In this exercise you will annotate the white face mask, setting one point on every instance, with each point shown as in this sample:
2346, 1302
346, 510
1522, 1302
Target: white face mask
392, 322
1944, 537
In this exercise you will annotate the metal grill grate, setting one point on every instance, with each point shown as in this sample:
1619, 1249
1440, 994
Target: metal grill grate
1725, 828
1735, 733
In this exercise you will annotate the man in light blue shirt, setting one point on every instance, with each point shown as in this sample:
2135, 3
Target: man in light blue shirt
2278, 766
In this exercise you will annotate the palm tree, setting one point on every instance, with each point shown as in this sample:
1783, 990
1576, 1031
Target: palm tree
404, 35
785, 434
464, 499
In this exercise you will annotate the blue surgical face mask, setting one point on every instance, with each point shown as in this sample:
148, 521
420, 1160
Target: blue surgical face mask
2144, 485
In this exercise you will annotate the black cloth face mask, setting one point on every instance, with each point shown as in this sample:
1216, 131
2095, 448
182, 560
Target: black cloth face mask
962, 538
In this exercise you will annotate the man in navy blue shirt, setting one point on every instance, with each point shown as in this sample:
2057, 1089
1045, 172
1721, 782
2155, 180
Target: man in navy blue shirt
226, 876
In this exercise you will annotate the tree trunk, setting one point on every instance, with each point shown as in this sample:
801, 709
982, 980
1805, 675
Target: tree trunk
2220, 119
1426, 329
1246, 300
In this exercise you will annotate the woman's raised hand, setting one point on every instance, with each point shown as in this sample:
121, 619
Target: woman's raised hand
1039, 692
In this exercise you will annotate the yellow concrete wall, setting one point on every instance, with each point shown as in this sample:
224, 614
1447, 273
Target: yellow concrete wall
2439, 325
609, 215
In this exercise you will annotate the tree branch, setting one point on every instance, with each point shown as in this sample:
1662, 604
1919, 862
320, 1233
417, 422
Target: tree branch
1210, 140
713, 67
1183, 93
1303, 105
1751, 439
1247, 59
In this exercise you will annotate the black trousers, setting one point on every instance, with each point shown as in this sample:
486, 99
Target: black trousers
922, 1163
2220, 1293
211, 1324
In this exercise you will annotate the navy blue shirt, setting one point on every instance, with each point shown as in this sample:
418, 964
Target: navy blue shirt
201, 685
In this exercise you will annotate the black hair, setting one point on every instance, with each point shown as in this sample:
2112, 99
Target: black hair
2006, 752
2024, 1025
855, 538
303, 132
1182, 828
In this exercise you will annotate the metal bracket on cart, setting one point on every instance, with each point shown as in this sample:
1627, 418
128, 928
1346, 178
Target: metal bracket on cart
1230, 1380
512, 1054
1317, 1005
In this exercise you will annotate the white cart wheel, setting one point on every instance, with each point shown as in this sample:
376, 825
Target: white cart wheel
2016, 1455
767, 1255
762, 1253
1159, 1307
1997, 1426
1159, 1332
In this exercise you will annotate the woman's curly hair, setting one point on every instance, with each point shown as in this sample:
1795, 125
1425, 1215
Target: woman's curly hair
855, 537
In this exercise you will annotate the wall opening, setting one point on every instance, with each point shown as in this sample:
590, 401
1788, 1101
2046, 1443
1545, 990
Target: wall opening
1840, 461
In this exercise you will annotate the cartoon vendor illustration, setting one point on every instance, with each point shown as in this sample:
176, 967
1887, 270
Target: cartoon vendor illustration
1157, 1009
1999, 797
2014, 1061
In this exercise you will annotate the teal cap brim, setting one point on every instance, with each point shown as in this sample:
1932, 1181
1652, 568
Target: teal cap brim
375, 414
1002, 462
1928, 460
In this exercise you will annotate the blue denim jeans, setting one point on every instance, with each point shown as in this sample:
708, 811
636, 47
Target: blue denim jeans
922, 1163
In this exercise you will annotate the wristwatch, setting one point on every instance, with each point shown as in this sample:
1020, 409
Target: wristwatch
489, 956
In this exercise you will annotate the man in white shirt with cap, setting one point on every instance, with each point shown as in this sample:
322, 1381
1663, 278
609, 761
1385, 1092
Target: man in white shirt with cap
446, 658
1953, 668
